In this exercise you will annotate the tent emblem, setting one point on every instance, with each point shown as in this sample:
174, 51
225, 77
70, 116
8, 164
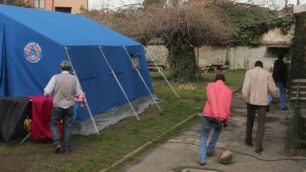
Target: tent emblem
32, 52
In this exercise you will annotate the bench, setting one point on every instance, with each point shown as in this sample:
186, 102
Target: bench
214, 67
205, 69
152, 66
224, 68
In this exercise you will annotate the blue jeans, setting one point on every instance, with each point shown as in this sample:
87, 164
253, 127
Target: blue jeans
66, 115
281, 88
207, 124
270, 98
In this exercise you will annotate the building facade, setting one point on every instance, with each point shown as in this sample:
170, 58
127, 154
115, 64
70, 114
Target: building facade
67, 6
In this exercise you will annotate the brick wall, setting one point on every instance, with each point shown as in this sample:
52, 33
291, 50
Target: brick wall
74, 4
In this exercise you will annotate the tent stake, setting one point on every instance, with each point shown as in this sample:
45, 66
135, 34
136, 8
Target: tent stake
142, 78
86, 104
110, 67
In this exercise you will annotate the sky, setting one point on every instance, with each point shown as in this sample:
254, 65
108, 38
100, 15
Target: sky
113, 4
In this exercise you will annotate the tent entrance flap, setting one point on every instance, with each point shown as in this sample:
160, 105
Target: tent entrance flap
86, 104
119, 84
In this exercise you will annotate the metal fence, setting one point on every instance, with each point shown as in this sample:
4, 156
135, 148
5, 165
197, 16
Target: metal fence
299, 118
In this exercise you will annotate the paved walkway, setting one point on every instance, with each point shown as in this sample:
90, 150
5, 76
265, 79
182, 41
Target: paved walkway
180, 154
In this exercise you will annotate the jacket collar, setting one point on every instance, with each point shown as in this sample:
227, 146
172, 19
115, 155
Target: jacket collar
219, 82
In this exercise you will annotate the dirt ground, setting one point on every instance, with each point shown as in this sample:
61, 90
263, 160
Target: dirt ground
180, 153
37, 156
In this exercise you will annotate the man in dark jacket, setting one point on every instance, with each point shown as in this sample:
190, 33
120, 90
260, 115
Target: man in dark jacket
280, 78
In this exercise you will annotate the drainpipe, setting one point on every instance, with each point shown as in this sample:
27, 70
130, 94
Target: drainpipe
53, 8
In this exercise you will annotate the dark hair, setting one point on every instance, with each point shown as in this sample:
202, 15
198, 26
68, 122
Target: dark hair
65, 65
219, 76
259, 64
280, 56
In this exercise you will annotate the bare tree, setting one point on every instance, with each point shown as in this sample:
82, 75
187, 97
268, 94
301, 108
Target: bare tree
182, 27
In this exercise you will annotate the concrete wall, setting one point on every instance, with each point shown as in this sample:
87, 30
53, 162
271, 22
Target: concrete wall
240, 57
157, 53
299, 9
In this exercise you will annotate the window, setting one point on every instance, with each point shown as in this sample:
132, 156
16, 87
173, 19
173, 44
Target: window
135, 59
63, 9
39, 3
42, 4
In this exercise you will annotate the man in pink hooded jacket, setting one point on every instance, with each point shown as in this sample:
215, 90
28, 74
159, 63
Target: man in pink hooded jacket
216, 114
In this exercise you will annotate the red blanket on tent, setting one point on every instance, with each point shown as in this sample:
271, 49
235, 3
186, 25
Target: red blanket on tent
41, 114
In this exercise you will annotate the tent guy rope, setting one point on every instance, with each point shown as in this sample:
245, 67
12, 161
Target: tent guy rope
139, 74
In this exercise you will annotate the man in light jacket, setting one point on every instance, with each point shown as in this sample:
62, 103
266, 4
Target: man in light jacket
257, 84
64, 87
216, 114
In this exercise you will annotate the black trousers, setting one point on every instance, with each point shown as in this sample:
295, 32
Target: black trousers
261, 120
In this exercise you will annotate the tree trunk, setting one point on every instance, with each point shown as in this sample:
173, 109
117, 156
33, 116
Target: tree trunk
182, 62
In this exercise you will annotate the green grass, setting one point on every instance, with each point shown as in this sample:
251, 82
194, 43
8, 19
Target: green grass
234, 79
93, 153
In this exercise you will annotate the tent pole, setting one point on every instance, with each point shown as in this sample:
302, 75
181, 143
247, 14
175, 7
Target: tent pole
110, 67
142, 78
166, 80
86, 104
26, 137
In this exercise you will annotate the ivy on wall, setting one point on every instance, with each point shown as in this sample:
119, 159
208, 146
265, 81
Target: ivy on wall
249, 23
298, 68
182, 60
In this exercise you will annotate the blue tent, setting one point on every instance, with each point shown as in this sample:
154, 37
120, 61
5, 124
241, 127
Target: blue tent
32, 45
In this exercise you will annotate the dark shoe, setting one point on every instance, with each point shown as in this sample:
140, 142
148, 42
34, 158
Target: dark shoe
57, 148
285, 108
268, 108
248, 142
210, 153
259, 149
202, 163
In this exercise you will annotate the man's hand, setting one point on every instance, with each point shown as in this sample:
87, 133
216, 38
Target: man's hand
81, 98
224, 124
